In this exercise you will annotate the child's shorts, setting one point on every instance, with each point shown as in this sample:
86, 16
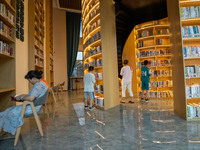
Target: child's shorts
89, 94
145, 85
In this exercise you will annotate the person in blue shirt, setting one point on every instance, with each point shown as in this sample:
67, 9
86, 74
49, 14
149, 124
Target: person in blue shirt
145, 73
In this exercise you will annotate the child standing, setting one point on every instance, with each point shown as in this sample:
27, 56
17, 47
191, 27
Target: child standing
145, 73
126, 73
89, 80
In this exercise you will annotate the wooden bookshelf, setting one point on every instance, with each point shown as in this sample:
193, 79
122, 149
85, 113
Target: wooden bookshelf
7, 59
181, 82
49, 42
145, 36
39, 35
93, 25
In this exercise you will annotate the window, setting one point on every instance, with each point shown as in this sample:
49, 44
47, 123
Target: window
78, 68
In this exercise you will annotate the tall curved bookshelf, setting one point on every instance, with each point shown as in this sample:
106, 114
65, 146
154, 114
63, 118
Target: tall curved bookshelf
153, 44
95, 51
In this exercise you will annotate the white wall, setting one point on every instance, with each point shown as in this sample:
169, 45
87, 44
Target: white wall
60, 46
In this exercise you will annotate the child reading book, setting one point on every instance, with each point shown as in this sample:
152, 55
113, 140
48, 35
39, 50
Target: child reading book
145, 73
89, 80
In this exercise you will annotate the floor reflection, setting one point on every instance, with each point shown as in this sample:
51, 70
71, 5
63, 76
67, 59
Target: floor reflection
138, 126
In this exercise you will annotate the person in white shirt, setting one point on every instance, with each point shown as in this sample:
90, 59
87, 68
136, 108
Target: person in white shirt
89, 80
126, 73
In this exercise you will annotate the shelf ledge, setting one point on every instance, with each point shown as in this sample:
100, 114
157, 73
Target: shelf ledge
6, 90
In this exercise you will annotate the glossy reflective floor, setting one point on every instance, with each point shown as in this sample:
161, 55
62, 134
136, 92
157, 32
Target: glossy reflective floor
139, 126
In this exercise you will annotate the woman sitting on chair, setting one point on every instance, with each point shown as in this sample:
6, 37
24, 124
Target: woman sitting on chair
10, 119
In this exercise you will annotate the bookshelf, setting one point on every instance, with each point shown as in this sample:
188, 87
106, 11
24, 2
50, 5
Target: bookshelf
7, 53
49, 42
95, 51
39, 35
185, 39
152, 43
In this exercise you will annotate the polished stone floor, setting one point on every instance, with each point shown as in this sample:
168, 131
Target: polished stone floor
139, 126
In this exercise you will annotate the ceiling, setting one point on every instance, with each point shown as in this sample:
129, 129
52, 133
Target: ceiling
132, 12
70, 4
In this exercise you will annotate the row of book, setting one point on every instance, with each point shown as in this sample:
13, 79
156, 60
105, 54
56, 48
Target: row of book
93, 51
154, 53
191, 31
94, 38
91, 15
145, 33
39, 62
149, 32
193, 110
96, 63
38, 44
162, 31
159, 94
98, 76
153, 63
165, 83
193, 91
161, 73
190, 12
94, 25
94, 12
98, 88
7, 13
99, 101
6, 49
192, 71
191, 51
5, 30
142, 43
39, 53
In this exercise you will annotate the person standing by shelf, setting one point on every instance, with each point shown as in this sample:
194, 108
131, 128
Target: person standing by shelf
126, 73
89, 80
145, 73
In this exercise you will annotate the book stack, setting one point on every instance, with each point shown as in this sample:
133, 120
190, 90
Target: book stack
99, 101
140, 44
164, 73
151, 63
189, 12
95, 63
6, 49
93, 39
7, 13
166, 62
191, 51
193, 91
193, 110
159, 94
93, 51
154, 53
159, 41
98, 76
166, 83
5, 30
98, 88
191, 31
152, 84
146, 53
86, 65
192, 71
